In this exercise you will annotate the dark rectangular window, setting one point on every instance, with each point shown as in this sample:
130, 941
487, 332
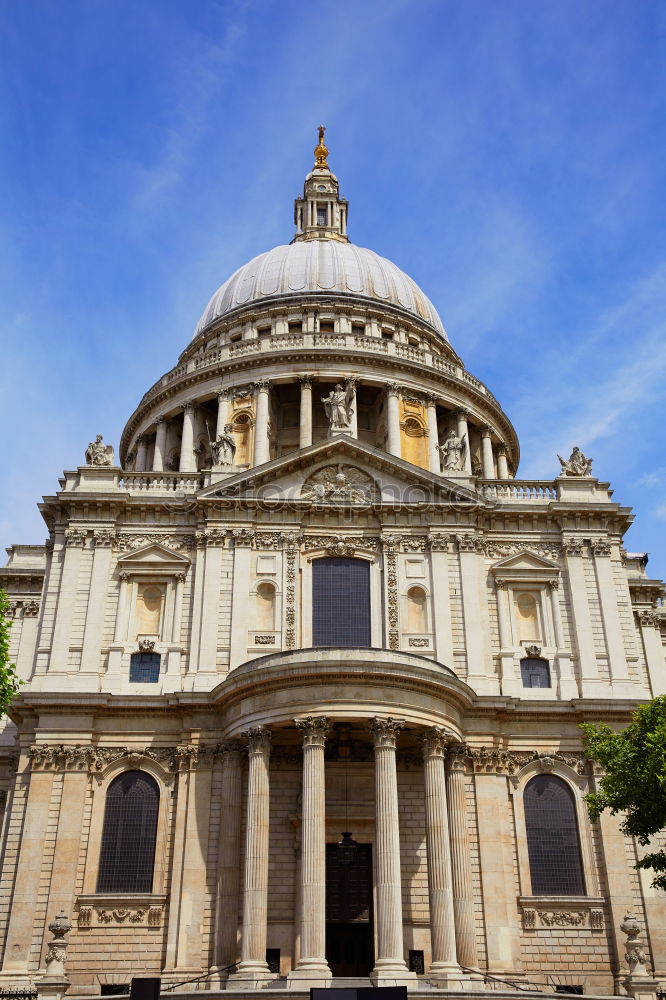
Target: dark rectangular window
535, 672
340, 602
321, 215
144, 668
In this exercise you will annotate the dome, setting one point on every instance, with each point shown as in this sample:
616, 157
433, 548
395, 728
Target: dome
321, 266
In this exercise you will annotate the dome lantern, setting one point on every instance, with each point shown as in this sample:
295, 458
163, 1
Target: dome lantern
321, 213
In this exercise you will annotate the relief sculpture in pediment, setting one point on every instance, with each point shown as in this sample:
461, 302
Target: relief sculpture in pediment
339, 484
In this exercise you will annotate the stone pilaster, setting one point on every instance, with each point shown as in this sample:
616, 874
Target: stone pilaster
390, 968
568, 688
312, 968
252, 972
444, 969
228, 858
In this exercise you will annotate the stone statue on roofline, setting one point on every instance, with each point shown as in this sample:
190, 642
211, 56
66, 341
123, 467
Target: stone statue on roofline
577, 465
339, 407
98, 453
224, 447
453, 452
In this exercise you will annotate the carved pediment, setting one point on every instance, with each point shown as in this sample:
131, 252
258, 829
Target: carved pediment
153, 558
312, 475
525, 565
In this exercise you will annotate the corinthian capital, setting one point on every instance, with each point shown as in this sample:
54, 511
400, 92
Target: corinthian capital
385, 731
435, 741
258, 739
314, 729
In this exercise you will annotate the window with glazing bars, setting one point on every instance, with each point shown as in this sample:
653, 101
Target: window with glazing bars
553, 843
535, 672
340, 602
127, 855
144, 668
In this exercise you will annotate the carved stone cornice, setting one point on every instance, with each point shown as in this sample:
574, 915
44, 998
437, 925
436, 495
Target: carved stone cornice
340, 545
439, 543
600, 547
573, 546
491, 760
385, 731
471, 543
94, 758
414, 543
127, 541
648, 618
314, 729
211, 536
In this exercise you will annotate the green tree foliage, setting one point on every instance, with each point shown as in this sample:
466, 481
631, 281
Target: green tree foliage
9, 682
634, 760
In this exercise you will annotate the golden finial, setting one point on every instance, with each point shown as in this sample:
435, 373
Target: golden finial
320, 151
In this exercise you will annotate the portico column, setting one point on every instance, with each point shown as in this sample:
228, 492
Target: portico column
305, 436
228, 881
187, 462
160, 446
261, 443
351, 383
252, 972
390, 968
222, 411
444, 969
487, 463
461, 872
433, 436
393, 419
141, 453
502, 466
463, 431
312, 968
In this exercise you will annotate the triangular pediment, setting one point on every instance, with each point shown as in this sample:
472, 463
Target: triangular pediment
525, 562
153, 555
368, 475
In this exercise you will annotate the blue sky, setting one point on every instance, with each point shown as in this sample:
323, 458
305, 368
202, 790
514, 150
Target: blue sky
509, 156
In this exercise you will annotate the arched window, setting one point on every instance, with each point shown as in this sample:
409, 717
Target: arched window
553, 845
127, 856
417, 610
340, 602
535, 672
265, 602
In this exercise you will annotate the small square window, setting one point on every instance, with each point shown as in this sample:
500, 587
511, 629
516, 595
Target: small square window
358, 331
145, 668
387, 334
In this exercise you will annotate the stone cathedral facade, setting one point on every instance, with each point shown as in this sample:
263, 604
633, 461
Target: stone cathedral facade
305, 666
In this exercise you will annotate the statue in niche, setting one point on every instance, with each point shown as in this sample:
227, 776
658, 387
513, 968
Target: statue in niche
224, 447
453, 452
577, 465
338, 407
98, 453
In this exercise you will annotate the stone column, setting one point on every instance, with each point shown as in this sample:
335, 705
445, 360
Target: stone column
502, 465
222, 411
261, 442
312, 969
159, 455
444, 969
141, 453
187, 459
390, 968
567, 681
461, 872
252, 972
463, 431
305, 436
351, 383
393, 419
228, 859
487, 463
433, 435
